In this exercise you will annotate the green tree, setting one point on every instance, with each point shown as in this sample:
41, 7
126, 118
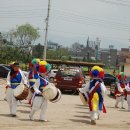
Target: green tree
58, 54
69, 58
38, 51
84, 58
26, 34
25, 37
19, 43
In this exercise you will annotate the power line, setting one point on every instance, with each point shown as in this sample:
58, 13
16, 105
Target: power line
70, 17
15, 17
78, 19
67, 13
25, 14
114, 3
23, 10
86, 17
92, 23
125, 1
118, 2
17, 6
82, 19
75, 20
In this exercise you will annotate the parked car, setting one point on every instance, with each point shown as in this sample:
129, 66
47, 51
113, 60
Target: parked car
52, 74
8, 66
109, 79
4, 71
69, 78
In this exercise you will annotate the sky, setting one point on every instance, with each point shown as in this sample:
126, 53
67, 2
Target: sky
72, 20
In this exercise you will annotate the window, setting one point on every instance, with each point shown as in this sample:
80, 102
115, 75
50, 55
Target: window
1, 68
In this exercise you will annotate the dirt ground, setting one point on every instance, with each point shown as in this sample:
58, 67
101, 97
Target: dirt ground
67, 114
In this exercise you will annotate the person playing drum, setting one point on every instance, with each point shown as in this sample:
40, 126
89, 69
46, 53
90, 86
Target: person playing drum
96, 91
33, 75
127, 89
15, 78
39, 101
119, 90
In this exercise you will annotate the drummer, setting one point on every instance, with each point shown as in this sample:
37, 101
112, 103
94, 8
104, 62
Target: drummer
120, 89
39, 102
33, 75
15, 77
96, 90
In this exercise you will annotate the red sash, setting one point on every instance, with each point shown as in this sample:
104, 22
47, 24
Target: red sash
32, 74
14, 75
103, 108
91, 96
117, 92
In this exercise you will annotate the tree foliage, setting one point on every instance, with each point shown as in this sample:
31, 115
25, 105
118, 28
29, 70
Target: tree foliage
38, 51
59, 54
18, 44
25, 35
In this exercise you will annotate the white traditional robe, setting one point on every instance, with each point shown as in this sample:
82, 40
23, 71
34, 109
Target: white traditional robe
10, 93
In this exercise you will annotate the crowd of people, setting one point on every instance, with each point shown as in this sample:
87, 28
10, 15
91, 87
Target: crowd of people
37, 80
95, 90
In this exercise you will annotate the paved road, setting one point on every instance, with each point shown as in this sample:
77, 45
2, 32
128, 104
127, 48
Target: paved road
67, 114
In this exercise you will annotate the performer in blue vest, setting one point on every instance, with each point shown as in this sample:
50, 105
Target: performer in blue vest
15, 77
96, 91
39, 101
32, 77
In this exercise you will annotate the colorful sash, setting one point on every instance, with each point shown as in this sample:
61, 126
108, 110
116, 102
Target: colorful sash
14, 75
92, 91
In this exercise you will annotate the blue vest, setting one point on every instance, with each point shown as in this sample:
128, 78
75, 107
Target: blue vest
43, 83
33, 76
16, 80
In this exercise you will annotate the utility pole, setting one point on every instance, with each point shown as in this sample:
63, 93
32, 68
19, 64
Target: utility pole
46, 31
1, 43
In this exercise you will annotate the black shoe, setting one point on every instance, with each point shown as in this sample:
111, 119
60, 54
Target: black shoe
93, 122
116, 106
13, 115
43, 120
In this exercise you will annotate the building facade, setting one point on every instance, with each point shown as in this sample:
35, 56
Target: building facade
109, 57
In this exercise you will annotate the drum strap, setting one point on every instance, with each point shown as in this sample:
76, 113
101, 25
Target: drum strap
47, 82
31, 75
86, 98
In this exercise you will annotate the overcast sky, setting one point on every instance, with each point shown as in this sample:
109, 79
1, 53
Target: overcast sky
72, 20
